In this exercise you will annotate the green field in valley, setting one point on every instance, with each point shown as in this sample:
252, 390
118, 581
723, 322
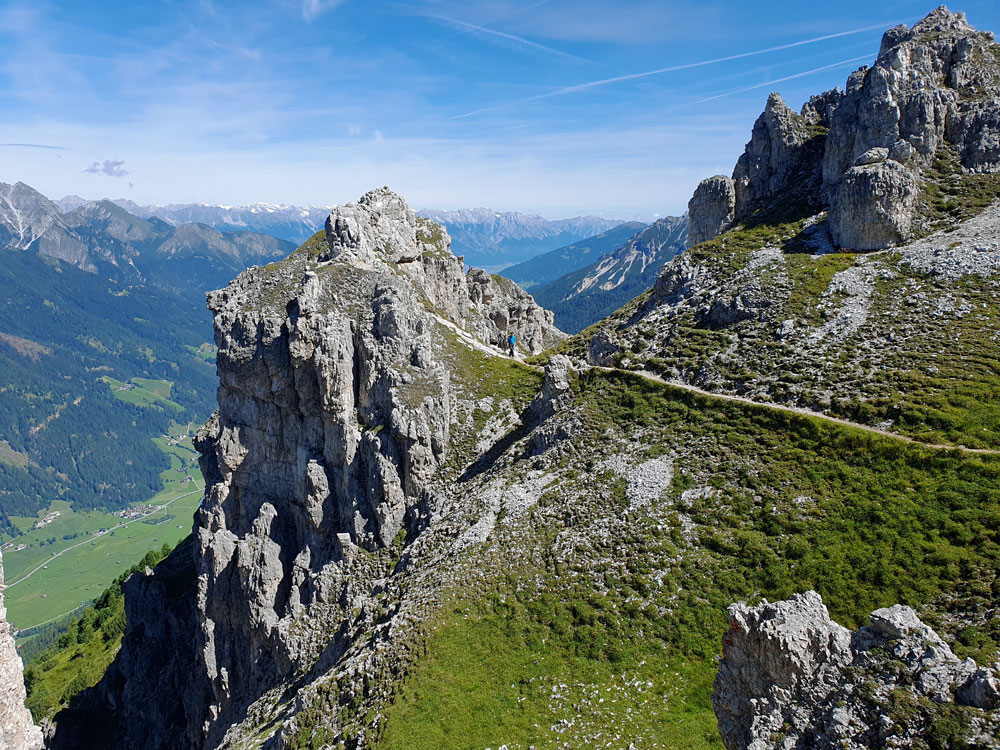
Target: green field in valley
76, 555
144, 392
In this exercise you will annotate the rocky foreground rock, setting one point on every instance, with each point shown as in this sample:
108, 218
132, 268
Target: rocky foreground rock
863, 151
17, 730
790, 677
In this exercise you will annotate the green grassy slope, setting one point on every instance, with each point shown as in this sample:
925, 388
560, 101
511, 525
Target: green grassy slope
80, 656
579, 636
913, 350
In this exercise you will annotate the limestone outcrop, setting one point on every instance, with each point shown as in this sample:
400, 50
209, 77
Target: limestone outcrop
874, 205
772, 156
790, 677
864, 151
341, 371
711, 209
17, 730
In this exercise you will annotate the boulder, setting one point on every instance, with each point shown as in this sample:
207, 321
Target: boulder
790, 678
874, 206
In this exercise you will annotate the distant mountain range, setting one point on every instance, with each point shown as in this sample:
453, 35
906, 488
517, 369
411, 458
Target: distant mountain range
494, 240
584, 296
291, 223
103, 238
487, 238
555, 263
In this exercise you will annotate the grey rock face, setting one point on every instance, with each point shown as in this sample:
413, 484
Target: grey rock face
381, 229
982, 690
771, 157
17, 730
336, 405
820, 107
935, 86
711, 209
555, 387
379, 226
873, 208
770, 162
602, 349
791, 677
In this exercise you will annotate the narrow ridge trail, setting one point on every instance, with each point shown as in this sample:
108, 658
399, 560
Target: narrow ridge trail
804, 412
788, 409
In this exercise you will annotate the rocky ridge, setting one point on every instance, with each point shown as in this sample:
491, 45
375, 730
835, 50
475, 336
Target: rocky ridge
791, 677
773, 308
863, 152
17, 730
346, 373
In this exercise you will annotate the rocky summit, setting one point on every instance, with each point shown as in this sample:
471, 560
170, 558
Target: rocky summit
790, 677
864, 152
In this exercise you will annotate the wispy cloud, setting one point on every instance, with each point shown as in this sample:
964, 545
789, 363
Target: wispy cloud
312, 9
110, 167
505, 16
35, 145
576, 88
471, 27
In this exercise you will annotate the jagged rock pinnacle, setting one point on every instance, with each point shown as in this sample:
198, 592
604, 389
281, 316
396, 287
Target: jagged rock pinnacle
791, 677
933, 87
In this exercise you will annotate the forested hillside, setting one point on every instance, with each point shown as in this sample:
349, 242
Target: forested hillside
68, 340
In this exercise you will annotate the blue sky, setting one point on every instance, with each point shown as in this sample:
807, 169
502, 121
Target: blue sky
543, 106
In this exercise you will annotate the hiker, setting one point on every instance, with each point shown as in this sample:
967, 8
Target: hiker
511, 340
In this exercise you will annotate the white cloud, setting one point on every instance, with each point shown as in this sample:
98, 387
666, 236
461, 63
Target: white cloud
110, 167
312, 9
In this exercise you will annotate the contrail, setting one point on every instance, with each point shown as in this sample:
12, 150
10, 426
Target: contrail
803, 74
509, 37
518, 12
35, 145
673, 68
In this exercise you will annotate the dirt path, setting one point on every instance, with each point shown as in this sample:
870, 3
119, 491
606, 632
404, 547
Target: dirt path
794, 410
804, 412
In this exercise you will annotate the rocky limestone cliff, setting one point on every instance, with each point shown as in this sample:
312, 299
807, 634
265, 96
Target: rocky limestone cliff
790, 677
17, 731
344, 372
863, 152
